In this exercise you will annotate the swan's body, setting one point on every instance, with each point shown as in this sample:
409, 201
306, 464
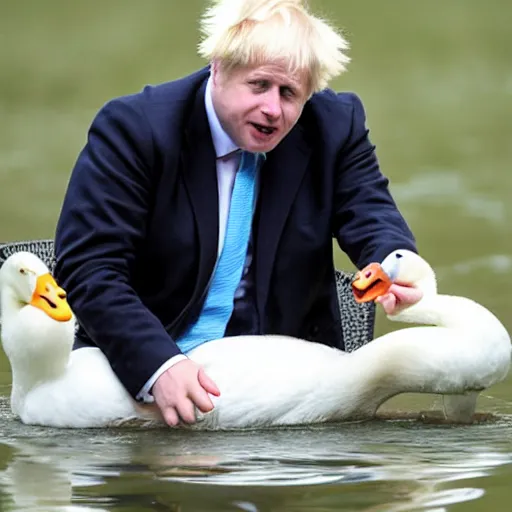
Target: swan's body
264, 380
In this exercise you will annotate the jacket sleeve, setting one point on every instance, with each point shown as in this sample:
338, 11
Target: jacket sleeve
101, 226
367, 222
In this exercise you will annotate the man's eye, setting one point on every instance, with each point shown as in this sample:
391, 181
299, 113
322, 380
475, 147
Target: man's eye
260, 84
287, 92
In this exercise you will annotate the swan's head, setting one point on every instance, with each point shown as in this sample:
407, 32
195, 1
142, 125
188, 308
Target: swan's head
400, 267
26, 281
37, 324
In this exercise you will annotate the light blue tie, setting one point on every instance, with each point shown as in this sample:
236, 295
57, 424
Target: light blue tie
218, 305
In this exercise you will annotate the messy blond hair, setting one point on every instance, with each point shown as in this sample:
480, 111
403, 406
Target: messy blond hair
255, 32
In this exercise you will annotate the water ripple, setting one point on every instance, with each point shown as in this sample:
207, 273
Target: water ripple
449, 188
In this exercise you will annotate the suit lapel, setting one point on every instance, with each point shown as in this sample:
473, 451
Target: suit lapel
280, 178
199, 174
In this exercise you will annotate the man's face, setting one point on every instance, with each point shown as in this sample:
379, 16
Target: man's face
258, 106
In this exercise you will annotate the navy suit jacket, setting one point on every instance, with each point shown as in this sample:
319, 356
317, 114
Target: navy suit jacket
137, 237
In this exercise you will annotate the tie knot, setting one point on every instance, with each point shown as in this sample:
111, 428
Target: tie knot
250, 161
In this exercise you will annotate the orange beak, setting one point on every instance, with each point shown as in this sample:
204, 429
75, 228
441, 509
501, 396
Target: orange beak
370, 282
51, 299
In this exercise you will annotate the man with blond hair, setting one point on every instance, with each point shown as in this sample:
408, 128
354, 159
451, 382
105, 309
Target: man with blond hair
206, 206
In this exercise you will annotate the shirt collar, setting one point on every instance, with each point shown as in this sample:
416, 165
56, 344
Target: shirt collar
221, 140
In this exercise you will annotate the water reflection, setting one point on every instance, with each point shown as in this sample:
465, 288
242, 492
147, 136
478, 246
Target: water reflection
394, 465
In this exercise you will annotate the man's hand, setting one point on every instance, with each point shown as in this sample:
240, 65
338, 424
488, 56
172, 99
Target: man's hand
182, 387
399, 297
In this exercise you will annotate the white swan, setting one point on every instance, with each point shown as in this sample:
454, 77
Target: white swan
51, 384
264, 380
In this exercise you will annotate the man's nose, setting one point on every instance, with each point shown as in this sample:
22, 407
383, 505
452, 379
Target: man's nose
272, 103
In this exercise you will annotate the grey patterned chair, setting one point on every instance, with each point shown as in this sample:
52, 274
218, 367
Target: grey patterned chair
357, 320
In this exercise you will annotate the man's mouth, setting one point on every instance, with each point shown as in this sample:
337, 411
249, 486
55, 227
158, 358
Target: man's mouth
266, 130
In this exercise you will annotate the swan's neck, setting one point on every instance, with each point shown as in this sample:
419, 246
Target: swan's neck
37, 347
449, 311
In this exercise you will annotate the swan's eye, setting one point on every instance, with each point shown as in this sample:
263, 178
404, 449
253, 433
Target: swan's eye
398, 255
23, 272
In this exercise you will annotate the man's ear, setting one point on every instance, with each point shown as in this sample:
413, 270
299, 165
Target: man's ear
215, 71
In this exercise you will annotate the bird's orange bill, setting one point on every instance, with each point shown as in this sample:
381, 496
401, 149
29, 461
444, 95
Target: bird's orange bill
51, 299
370, 282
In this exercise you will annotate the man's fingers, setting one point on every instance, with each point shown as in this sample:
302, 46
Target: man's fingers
186, 411
406, 295
388, 302
398, 298
202, 400
208, 385
171, 416
181, 389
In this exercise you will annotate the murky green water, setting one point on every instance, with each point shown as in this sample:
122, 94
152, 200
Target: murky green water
436, 78
394, 466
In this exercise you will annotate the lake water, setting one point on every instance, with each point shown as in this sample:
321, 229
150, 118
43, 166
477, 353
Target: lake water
392, 465
436, 80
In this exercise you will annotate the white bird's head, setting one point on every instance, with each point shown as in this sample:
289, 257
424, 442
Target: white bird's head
26, 281
37, 324
400, 267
